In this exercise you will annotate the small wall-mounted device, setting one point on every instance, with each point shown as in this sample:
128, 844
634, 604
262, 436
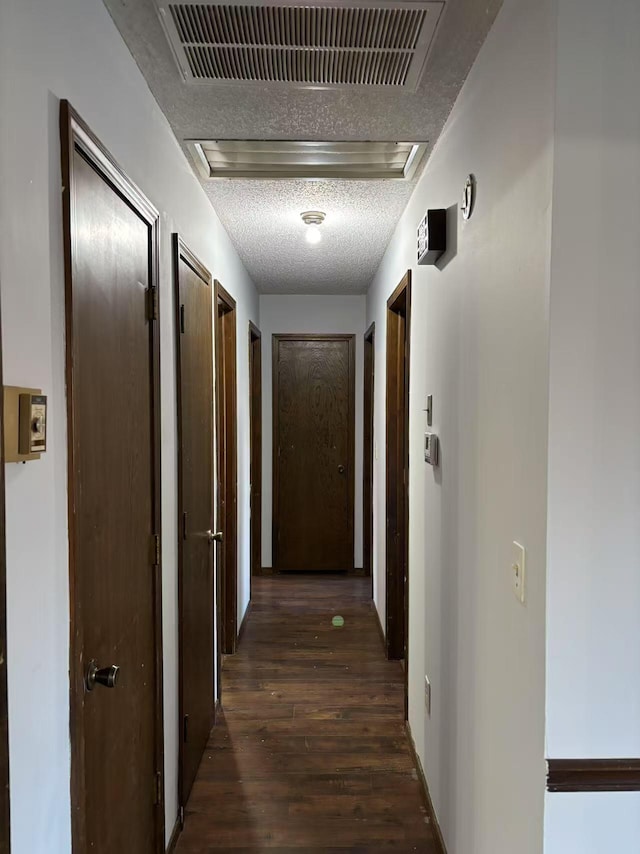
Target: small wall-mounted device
468, 197
429, 410
32, 437
432, 236
431, 449
25, 424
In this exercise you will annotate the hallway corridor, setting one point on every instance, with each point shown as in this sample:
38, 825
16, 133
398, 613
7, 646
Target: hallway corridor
310, 753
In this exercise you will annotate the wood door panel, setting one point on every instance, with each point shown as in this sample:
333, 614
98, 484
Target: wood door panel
113, 507
368, 451
195, 471
397, 472
114, 513
314, 454
255, 417
227, 471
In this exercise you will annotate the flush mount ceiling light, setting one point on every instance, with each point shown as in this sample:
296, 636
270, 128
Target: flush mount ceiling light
313, 220
319, 43
272, 159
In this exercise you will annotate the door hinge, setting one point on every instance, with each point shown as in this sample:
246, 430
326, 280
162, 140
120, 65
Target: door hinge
155, 550
182, 321
152, 303
185, 728
181, 817
158, 789
184, 526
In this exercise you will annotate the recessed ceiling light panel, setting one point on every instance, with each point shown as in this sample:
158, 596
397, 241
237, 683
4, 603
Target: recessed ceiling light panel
328, 43
269, 160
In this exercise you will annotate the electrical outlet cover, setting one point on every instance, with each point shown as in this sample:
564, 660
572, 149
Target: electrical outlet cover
518, 571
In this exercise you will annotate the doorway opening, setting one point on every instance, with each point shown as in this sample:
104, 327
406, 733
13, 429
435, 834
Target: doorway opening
227, 468
113, 384
194, 354
255, 451
397, 460
313, 452
368, 452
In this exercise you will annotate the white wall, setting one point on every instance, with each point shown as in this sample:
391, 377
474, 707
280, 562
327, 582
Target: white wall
593, 643
71, 49
307, 314
479, 345
592, 823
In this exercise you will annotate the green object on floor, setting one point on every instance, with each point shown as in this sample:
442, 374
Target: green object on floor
338, 622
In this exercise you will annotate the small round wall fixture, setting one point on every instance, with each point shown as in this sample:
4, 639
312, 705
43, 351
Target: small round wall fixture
468, 197
313, 220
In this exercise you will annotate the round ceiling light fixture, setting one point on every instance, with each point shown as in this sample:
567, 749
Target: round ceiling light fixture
313, 220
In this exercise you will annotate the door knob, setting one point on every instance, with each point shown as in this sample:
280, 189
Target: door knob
341, 469
106, 676
215, 538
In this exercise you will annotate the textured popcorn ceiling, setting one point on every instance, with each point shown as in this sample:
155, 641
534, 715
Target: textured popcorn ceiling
263, 218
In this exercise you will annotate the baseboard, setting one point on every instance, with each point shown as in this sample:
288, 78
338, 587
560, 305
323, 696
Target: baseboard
177, 829
310, 571
243, 624
358, 571
426, 796
383, 639
266, 570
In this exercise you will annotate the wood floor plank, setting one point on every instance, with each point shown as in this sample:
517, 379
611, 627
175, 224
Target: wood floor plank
310, 752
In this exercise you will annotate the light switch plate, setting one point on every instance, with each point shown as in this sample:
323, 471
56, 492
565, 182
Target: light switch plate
518, 571
427, 695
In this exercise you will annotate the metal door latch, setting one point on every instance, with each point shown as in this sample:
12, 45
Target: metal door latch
105, 676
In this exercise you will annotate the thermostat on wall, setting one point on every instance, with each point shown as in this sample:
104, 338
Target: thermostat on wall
25, 424
431, 449
32, 426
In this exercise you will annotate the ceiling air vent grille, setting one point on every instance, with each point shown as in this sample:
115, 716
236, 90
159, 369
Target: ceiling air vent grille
293, 159
368, 43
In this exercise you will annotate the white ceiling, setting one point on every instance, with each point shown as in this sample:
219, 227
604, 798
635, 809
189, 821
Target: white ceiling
263, 217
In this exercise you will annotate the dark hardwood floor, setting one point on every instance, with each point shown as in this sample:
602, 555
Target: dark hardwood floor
310, 753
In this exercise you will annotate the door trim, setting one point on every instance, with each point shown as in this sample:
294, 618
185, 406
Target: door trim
5, 835
227, 580
292, 336
182, 252
368, 445
75, 134
397, 426
593, 775
255, 465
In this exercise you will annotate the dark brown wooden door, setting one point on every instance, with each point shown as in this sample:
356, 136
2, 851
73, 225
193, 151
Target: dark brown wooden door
313, 410
255, 416
4, 736
397, 460
227, 470
195, 479
368, 452
113, 501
